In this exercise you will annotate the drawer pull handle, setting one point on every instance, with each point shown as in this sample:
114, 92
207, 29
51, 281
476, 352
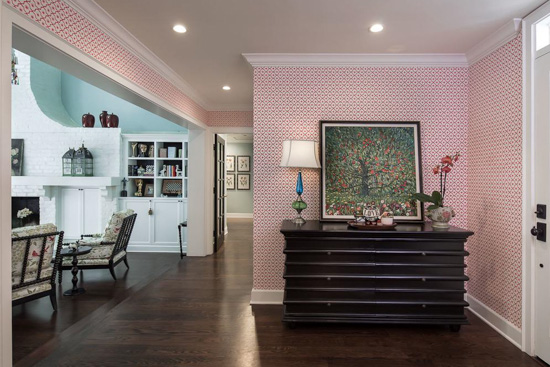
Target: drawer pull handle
328, 304
423, 306
423, 254
423, 279
328, 253
328, 278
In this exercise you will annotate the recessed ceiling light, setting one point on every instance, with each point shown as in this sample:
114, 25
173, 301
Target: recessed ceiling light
226, 87
375, 28
179, 28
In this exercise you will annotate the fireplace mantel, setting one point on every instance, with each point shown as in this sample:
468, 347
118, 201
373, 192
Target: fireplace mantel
65, 181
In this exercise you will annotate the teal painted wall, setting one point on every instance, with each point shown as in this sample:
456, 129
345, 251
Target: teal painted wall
240, 201
80, 97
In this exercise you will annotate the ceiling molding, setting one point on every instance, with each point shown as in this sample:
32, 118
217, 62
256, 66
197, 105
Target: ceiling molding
500, 37
231, 107
104, 21
325, 59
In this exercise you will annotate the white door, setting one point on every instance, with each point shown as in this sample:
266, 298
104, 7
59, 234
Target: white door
141, 234
167, 216
542, 187
71, 213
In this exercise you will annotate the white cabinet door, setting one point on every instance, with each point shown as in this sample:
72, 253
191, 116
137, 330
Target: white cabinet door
141, 235
71, 213
167, 216
91, 211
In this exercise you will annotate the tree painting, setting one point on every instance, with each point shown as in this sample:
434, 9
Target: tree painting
366, 164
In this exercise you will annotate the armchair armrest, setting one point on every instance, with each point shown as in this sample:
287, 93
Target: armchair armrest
96, 235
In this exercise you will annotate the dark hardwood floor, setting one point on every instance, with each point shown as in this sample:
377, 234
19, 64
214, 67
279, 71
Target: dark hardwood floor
196, 312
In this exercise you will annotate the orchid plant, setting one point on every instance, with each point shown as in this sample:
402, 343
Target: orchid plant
442, 169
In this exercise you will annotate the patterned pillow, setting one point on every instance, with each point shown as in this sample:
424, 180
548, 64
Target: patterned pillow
113, 228
18, 250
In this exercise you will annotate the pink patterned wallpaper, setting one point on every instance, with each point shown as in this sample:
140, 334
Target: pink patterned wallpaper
495, 180
289, 102
68, 24
230, 118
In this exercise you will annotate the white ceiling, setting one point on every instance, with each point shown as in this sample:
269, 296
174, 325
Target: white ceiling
209, 55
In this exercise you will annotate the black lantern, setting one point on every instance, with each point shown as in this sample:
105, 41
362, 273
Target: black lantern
83, 162
68, 162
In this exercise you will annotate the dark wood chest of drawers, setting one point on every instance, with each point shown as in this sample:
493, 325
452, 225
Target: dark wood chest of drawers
413, 274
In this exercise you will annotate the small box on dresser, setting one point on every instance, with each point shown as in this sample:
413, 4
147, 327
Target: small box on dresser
412, 275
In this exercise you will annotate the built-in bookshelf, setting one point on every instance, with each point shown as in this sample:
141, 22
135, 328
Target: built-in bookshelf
160, 163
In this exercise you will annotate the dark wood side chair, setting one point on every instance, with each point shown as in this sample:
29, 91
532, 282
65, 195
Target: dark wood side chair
109, 249
35, 259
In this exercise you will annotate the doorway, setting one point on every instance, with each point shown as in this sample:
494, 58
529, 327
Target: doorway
219, 192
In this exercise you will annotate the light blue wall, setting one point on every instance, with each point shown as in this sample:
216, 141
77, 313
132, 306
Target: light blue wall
240, 201
80, 97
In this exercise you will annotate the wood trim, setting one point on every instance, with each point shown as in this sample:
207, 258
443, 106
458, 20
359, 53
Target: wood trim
240, 215
504, 327
495, 40
266, 297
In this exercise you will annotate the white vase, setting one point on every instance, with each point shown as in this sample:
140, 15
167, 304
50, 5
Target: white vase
441, 216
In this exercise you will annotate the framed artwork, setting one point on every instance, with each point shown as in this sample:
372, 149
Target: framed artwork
243, 163
149, 190
17, 157
243, 182
230, 163
374, 164
230, 181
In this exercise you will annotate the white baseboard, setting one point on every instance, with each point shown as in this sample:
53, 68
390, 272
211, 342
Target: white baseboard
266, 297
240, 215
494, 320
156, 248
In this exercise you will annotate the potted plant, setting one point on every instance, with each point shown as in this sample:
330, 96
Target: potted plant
437, 211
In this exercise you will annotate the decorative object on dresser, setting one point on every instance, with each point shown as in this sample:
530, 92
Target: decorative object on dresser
440, 214
107, 249
124, 192
230, 181
17, 146
88, 120
103, 118
230, 163
172, 187
243, 163
243, 182
370, 161
149, 191
34, 263
300, 154
411, 275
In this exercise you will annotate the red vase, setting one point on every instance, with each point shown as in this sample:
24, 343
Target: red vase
112, 120
88, 120
103, 118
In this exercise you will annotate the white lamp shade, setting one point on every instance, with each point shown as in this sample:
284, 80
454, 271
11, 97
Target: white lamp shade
300, 153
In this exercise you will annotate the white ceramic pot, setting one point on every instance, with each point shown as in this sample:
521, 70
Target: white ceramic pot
441, 216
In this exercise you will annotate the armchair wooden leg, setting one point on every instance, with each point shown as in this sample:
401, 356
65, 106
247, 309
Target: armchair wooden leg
112, 270
126, 262
53, 299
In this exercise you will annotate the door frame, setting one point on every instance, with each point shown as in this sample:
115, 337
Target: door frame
528, 197
217, 246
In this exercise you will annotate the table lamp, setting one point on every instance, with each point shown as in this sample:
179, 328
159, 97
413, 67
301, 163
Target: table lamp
300, 154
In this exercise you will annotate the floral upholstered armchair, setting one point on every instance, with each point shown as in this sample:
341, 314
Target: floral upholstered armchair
109, 248
32, 272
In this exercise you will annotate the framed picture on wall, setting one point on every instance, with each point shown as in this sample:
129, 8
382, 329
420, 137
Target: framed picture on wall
370, 164
243, 182
230, 181
17, 157
230, 163
243, 163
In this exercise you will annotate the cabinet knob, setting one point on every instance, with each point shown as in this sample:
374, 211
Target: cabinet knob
329, 253
423, 306
423, 254
328, 304
328, 278
423, 279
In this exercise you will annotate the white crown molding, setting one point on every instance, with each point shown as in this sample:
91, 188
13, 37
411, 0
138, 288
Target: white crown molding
500, 37
104, 21
324, 59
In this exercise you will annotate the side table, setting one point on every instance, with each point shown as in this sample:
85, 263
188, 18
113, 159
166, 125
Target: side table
66, 252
